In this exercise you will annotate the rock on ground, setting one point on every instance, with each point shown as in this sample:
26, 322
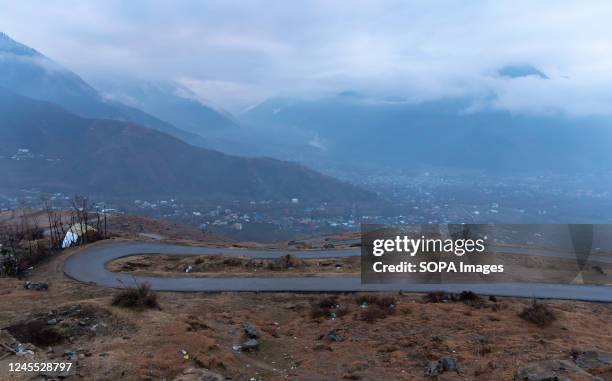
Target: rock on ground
250, 330
597, 361
435, 368
199, 374
552, 370
250, 345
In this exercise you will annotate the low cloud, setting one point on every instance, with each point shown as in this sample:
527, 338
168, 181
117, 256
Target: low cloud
236, 53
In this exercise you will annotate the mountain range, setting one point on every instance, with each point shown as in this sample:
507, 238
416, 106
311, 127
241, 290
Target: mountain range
443, 133
344, 131
45, 147
169, 101
27, 72
58, 133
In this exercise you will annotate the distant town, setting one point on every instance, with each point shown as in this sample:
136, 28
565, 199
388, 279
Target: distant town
425, 198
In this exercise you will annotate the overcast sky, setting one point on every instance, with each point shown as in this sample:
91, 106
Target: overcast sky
236, 53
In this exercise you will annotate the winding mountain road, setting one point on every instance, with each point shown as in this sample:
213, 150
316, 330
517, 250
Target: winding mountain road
88, 265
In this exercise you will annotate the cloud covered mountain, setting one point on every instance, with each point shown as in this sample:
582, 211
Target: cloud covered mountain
458, 133
169, 101
45, 147
27, 72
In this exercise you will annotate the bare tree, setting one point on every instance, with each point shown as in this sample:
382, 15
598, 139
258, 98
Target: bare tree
20, 247
83, 214
57, 229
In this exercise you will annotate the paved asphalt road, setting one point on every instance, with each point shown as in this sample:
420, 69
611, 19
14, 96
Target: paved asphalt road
87, 265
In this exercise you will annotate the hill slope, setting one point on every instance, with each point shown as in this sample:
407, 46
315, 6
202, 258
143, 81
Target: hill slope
96, 156
169, 101
27, 72
443, 133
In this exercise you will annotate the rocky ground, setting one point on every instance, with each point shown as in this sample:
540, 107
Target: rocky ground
223, 265
281, 336
518, 268
295, 336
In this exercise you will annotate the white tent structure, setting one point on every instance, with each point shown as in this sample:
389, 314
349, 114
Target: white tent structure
76, 233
